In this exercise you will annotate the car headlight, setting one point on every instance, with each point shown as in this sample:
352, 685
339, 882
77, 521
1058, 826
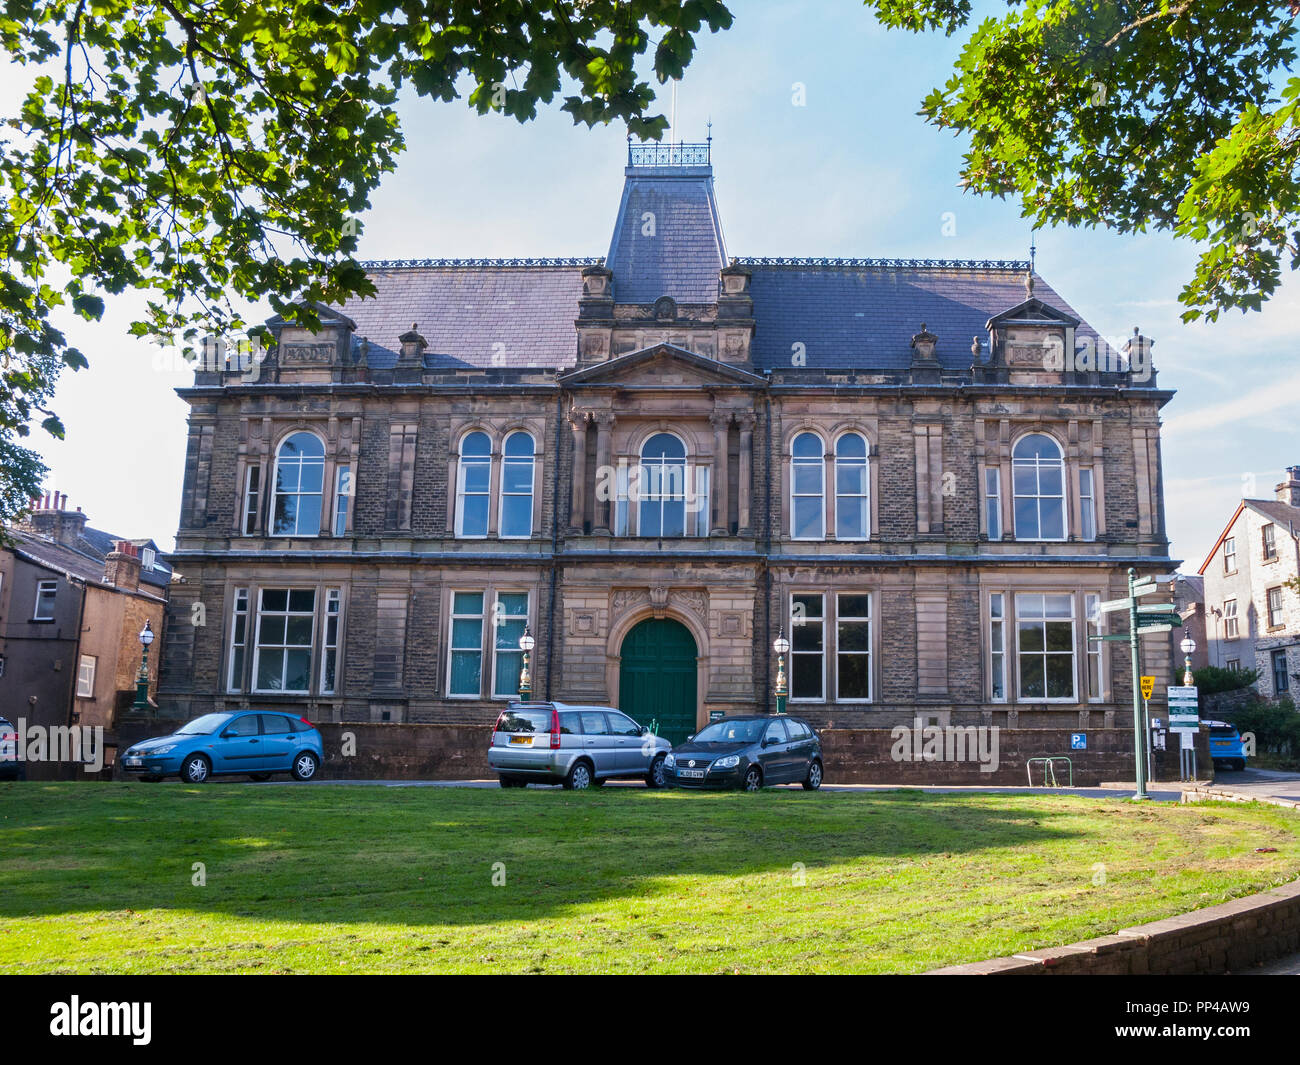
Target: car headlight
730, 762
669, 762
164, 748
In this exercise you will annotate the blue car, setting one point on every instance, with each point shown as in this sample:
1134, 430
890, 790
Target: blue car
249, 743
1225, 745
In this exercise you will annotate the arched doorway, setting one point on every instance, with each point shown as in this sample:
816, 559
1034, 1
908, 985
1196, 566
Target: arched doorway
656, 677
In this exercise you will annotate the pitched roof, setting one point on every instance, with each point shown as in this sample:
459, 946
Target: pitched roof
1279, 513
65, 560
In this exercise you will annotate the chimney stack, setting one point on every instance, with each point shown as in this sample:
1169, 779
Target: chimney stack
1288, 491
122, 566
49, 517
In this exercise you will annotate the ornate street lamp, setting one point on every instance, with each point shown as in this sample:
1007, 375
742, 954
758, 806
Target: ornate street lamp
1187, 647
526, 644
780, 645
142, 681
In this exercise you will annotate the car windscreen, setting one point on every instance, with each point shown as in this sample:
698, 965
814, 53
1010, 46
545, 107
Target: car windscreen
203, 726
747, 731
525, 721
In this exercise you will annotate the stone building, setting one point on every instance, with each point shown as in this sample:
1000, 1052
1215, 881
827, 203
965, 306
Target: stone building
1252, 604
926, 473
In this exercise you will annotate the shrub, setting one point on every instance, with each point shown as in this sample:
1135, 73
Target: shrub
1276, 726
1210, 680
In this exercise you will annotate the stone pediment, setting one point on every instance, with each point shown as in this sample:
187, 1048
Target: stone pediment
660, 366
1032, 310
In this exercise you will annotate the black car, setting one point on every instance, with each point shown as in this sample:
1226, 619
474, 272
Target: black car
748, 752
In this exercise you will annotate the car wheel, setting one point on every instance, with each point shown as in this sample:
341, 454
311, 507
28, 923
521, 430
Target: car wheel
1239, 764
579, 778
195, 769
814, 780
304, 766
259, 777
513, 782
753, 778
655, 778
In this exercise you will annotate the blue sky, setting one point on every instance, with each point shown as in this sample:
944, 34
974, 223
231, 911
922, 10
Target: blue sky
852, 172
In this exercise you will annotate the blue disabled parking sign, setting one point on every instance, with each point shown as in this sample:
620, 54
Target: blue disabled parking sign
1078, 741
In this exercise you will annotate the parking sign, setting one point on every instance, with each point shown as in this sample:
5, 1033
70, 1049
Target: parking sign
1078, 741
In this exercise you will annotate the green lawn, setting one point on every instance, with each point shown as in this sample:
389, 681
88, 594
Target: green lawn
98, 877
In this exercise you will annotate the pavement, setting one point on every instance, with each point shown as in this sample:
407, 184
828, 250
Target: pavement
1261, 785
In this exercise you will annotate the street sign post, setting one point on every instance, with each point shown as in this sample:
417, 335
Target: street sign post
1148, 689
1185, 719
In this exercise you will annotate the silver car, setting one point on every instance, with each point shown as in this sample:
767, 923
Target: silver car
577, 746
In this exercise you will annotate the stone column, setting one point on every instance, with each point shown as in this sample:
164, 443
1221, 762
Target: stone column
746, 423
577, 510
604, 475
721, 421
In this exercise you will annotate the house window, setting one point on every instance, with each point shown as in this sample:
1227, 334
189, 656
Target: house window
509, 619
1045, 647
517, 486
286, 625
329, 666
852, 512
807, 646
1038, 483
1096, 622
1233, 664
662, 509
238, 641
299, 483
343, 493
1087, 506
45, 594
808, 488
465, 677
1230, 555
86, 677
1281, 682
474, 485
1230, 619
997, 647
993, 502
146, 558
1270, 542
853, 647
1274, 607
252, 490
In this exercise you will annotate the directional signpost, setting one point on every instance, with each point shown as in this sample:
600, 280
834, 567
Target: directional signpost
1185, 719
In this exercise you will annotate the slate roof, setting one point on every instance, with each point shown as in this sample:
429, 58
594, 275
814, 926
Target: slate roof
64, 559
1278, 513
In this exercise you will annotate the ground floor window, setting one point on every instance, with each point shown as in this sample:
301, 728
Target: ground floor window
280, 638
478, 650
1281, 682
830, 647
997, 647
1045, 647
86, 677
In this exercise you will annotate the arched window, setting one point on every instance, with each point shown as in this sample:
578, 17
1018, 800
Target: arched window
852, 514
662, 510
1038, 478
517, 486
299, 479
474, 485
808, 488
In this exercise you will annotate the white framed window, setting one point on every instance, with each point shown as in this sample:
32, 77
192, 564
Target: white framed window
465, 647
993, 502
517, 463
509, 619
329, 663
1281, 681
853, 647
997, 647
1230, 630
46, 593
1274, 607
1230, 555
1087, 505
662, 507
1269, 536
807, 647
238, 641
146, 558
474, 486
1095, 626
344, 490
808, 487
86, 677
1045, 647
852, 488
286, 629
1038, 484
252, 497
1233, 664
299, 486
662, 493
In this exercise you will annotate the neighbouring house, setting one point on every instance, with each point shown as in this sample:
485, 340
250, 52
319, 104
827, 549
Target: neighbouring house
1189, 602
73, 600
1252, 605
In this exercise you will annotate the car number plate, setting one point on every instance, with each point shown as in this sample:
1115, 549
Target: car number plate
133, 761
526, 741
690, 772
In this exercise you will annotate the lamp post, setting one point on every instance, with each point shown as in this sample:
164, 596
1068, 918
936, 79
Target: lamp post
526, 644
1187, 647
780, 645
142, 681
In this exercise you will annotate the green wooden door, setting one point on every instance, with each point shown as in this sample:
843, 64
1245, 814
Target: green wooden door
656, 680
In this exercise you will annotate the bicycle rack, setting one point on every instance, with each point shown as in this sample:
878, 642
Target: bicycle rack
1049, 770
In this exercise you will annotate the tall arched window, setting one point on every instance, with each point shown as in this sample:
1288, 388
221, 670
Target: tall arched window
299, 480
662, 510
808, 488
852, 513
1038, 479
517, 486
474, 485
